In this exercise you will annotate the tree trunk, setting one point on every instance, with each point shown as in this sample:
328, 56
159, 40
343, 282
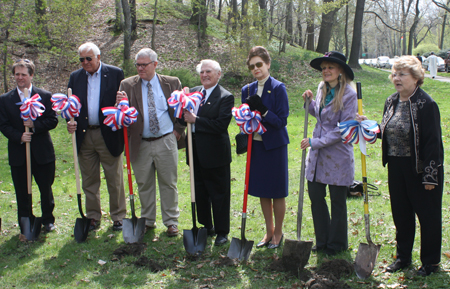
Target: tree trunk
234, 15
271, 19
154, 25
118, 22
325, 29
310, 28
346, 31
444, 22
357, 33
263, 14
198, 18
412, 31
220, 10
127, 30
289, 26
133, 19
300, 36
10, 19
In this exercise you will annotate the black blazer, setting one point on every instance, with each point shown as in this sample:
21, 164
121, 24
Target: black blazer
11, 125
211, 128
111, 77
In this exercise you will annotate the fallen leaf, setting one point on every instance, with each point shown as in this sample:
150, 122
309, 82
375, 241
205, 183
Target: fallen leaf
222, 274
101, 262
447, 254
111, 236
199, 266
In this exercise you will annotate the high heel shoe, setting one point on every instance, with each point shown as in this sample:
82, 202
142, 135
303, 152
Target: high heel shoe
273, 246
263, 244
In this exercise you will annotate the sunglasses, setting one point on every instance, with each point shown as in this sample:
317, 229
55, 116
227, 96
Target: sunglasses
143, 65
257, 64
24, 60
87, 58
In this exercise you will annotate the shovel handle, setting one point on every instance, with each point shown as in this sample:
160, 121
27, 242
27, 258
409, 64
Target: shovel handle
363, 157
191, 162
302, 174
127, 154
75, 151
247, 172
28, 152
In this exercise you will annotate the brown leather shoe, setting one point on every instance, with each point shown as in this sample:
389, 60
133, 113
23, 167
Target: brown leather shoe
117, 226
94, 224
172, 230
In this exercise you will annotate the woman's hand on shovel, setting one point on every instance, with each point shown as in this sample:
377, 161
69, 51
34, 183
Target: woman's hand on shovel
305, 143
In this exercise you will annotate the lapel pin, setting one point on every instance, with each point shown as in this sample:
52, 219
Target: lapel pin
269, 91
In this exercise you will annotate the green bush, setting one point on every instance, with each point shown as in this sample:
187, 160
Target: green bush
187, 77
425, 49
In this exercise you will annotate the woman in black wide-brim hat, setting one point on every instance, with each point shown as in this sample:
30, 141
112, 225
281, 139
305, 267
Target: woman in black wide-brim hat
330, 162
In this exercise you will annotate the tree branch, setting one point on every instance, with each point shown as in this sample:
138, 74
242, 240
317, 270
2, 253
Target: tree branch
387, 25
441, 5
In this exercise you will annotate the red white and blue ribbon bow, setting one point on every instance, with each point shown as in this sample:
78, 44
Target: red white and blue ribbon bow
353, 132
31, 108
68, 107
247, 120
121, 116
179, 100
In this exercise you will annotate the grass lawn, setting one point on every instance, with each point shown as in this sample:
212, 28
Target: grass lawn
57, 261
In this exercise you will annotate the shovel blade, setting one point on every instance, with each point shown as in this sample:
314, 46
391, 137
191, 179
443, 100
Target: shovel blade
30, 227
195, 240
240, 249
133, 230
81, 229
365, 259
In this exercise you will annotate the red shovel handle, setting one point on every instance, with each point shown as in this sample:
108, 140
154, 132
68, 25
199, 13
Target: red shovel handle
247, 172
127, 153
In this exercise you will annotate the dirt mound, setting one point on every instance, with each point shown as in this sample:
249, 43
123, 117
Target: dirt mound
149, 264
135, 249
337, 267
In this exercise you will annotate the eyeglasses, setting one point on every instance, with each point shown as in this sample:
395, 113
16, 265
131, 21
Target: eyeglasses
399, 74
24, 60
143, 65
257, 64
87, 58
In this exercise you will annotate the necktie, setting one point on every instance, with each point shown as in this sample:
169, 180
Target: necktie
152, 119
203, 100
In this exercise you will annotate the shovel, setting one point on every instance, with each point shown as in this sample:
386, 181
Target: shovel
295, 250
241, 249
133, 229
194, 240
30, 226
367, 253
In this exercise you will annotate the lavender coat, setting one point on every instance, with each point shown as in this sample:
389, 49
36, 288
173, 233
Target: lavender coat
330, 160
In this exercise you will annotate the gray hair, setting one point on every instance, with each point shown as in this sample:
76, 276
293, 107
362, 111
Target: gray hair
147, 52
214, 64
89, 46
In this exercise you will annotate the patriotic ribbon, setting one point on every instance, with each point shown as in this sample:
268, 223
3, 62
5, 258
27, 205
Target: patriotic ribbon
121, 116
247, 120
354, 132
179, 100
31, 108
67, 107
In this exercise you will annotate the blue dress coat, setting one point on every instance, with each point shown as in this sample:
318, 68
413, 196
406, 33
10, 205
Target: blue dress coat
269, 160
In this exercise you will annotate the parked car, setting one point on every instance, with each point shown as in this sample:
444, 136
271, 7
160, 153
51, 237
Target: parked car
441, 63
391, 62
382, 61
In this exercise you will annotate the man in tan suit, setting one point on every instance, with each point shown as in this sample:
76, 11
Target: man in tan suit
153, 139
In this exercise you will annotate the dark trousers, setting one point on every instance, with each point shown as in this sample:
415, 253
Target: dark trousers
408, 199
212, 190
44, 176
330, 232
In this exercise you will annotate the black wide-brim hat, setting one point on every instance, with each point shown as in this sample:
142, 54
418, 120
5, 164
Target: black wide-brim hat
336, 57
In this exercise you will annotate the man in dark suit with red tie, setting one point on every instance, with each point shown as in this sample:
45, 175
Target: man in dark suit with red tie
212, 151
42, 151
96, 85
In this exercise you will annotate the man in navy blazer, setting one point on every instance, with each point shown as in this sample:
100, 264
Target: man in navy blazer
212, 151
96, 85
42, 152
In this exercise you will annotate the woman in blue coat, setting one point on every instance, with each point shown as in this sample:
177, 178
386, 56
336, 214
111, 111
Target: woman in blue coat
269, 160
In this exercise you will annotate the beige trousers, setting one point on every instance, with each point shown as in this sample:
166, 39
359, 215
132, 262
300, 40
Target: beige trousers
159, 156
94, 152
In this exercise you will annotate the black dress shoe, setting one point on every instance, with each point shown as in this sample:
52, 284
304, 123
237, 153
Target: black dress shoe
117, 226
211, 232
316, 248
426, 270
263, 244
330, 252
49, 227
397, 265
273, 246
220, 240
94, 224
